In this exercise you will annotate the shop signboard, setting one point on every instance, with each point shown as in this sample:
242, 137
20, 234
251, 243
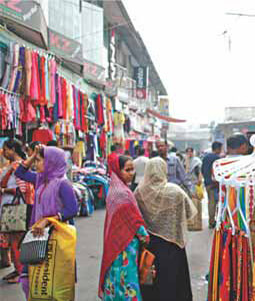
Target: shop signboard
93, 71
64, 46
110, 87
25, 12
141, 78
26, 19
164, 109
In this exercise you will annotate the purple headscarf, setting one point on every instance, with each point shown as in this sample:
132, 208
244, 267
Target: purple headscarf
47, 201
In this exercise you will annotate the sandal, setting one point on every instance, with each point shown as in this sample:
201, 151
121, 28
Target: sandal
11, 275
14, 280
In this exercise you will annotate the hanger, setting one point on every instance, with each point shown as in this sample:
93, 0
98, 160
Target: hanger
222, 213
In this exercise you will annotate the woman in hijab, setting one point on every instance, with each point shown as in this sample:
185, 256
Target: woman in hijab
124, 229
193, 167
54, 195
166, 209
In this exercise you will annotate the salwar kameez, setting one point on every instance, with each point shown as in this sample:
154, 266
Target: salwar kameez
122, 280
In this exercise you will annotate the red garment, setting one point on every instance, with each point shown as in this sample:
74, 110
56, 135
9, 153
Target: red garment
225, 267
42, 135
102, 143
79, 110
3, 112
234, 264
83, 117
239, 265
27, 111
123, 219
111, 158
74, 107
100, 110
43, 100
63, 87
38, 77
245, 284
42, 114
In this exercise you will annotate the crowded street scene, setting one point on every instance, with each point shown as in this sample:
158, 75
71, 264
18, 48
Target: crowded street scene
127, 140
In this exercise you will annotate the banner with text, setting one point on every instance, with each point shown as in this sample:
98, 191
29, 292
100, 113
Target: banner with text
141, 78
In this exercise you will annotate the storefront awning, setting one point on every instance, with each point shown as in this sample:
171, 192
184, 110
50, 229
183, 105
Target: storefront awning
25, 19
165, 118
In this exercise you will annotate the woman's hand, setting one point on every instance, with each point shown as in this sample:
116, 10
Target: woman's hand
28, 163
38, 229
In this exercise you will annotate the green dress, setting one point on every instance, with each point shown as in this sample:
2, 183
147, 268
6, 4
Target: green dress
121, 281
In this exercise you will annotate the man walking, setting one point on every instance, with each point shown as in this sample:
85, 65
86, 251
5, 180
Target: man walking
175, 170
211, 185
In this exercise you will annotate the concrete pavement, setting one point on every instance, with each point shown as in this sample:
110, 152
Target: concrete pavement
89, 251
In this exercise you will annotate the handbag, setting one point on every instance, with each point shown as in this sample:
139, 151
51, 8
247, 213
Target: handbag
147, 270
33, 250
15, 217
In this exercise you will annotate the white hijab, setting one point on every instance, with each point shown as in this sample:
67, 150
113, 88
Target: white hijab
164, 206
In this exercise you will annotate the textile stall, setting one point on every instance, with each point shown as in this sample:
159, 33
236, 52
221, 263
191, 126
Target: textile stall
231, 274
38, 103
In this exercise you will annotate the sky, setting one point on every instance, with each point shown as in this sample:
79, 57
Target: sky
205, 58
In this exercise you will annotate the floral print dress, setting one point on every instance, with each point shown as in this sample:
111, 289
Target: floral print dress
122, 281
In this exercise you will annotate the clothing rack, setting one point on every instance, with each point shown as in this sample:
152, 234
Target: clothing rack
233, 244
9, 92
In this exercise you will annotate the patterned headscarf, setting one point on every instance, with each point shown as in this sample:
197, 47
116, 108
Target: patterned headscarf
123, 219
165, 206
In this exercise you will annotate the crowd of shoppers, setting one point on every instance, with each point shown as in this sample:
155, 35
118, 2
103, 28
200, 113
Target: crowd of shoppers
150, 204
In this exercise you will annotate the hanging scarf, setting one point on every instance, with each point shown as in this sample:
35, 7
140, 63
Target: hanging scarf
225, 267
122, 221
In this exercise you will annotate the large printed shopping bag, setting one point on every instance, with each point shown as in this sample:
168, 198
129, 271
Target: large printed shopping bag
54, 279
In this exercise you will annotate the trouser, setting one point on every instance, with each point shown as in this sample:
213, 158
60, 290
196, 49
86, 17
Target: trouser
212, 202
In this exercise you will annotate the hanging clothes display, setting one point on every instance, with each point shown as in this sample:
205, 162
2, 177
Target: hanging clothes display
232, 257
34, 93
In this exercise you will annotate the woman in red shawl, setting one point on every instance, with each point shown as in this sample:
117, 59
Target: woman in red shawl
124, 229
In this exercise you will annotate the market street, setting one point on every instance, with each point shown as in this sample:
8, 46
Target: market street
89, 250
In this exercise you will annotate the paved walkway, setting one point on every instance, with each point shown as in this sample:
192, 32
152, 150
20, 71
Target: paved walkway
89, 250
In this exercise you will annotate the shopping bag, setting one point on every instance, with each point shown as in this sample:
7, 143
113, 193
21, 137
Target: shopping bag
33, 250
15, 217
199, 191
146, 268
54, 279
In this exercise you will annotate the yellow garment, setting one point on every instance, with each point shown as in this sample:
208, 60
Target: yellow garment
79, 153
69, 101
54, 279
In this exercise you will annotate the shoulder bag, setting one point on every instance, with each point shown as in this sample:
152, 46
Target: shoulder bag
15, 217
